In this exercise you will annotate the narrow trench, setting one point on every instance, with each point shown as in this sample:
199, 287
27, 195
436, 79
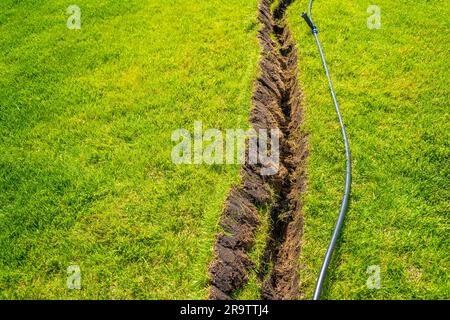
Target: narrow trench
276, 105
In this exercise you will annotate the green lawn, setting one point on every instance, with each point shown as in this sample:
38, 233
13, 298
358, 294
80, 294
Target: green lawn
393, 87
86, 118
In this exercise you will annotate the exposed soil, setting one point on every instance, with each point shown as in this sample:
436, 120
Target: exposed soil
276, 105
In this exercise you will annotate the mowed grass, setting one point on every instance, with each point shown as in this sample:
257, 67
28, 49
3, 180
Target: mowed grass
86, 117
393, 87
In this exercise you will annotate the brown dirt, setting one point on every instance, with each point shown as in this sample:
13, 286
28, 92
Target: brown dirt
276, 105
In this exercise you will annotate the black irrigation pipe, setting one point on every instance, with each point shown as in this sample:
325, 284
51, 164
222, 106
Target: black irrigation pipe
348, 178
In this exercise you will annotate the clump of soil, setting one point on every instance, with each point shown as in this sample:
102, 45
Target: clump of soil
276, 105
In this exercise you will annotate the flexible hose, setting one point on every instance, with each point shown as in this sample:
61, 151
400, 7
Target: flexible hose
345, 200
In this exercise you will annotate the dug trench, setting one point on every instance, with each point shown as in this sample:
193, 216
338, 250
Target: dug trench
276, 104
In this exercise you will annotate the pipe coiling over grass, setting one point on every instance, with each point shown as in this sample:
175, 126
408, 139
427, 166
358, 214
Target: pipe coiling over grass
344, 206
